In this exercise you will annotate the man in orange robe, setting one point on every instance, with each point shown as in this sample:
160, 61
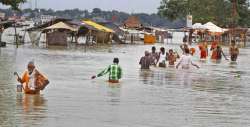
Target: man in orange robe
32, 80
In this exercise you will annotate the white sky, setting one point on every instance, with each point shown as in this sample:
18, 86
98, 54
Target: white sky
130, 6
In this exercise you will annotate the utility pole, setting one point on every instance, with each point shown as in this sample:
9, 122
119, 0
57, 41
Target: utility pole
35, 4
30, 3
234, 17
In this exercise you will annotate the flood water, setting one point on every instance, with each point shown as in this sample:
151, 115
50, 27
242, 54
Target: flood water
216, 95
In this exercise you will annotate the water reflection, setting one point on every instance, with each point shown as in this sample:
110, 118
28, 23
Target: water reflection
146, 76
31, 109
114, 93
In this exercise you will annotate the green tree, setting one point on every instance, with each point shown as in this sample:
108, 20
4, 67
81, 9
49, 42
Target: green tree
13, 3
217, 11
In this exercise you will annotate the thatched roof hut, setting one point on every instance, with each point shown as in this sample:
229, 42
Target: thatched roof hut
132, 23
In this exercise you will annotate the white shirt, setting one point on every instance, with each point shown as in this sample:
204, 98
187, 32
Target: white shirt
185, 61
162, 58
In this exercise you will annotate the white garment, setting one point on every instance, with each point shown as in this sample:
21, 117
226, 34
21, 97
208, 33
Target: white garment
162, 58
185, 61
31, 84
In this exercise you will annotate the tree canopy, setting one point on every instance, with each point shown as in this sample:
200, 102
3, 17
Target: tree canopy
13, 3
217, 11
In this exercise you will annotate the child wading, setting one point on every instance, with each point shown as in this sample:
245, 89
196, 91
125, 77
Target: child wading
114, 70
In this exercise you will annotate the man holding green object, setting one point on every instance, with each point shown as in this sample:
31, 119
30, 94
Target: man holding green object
114, 70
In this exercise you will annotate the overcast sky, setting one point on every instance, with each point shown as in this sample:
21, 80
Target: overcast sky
135, 6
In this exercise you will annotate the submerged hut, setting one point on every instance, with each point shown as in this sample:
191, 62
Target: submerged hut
4, 25
159, 33
99, 33
35, 32
58, 34
237, 34
132, 22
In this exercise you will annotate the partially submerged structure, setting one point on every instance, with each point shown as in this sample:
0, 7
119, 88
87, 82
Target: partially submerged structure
210, 32
59, 31
132, 23
4, 25
58, 34
101, 33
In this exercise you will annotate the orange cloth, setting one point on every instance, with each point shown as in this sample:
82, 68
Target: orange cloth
192, 51
149, 39
113, 81
214, 54
40, 82
203, 52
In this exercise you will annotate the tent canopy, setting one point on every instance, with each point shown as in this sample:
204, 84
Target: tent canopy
98, 26
60, 25
213, 28
198, 26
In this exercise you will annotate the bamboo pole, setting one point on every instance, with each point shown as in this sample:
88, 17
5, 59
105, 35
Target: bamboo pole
16, 38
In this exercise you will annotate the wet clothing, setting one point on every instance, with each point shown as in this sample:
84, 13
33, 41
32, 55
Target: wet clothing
114, 70
234, 51
33, 83
145, 62
203, 52
162, 60
214, 54
154, 58
185, 61
217, 54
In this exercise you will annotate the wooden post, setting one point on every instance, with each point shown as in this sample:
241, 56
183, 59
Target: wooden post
103, 37
16, 38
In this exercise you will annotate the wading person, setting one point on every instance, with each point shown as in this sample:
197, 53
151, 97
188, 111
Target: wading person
114, 70
203, 51
233, 51
220, 53
217, 54
32, 80
186, 61
146, 61
162, 58
171, 58
154, 56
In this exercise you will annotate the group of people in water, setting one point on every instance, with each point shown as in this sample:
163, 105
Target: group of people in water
163, 58
33, 81
160, 58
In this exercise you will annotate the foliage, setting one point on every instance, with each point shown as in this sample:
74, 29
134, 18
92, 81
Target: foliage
13, 3
115, 16
217, 11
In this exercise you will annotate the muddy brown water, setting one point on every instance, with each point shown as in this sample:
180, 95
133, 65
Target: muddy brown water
216, 95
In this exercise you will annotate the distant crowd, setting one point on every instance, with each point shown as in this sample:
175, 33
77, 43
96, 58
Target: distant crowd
164, 58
